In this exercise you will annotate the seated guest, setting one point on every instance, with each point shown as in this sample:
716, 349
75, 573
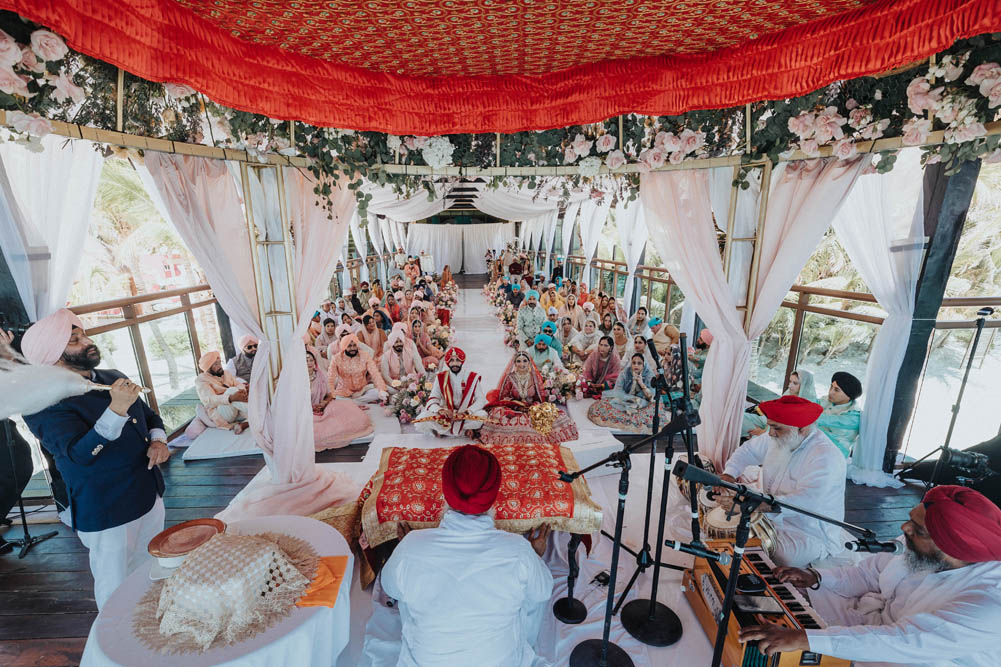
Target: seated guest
629, 405
382, 320
223, 396
565, 334
342, 331
638, 346
842, 417
454, 392
530, 319
515, 296
521, 386
328, 336
364, 293
335, 423
468, 593
623, 343
108, 446
350, 322
551, 298
400, 357
377, 290
408, 299
552, 314
697, 355
601, 370
393, 306
315, 328
549, 329
590, 314
800, 384
799, 465
939, 603
543, 353
664, 335
353, 374
326, 309
585, 342
429, 352
373, 336
355, 301
607, 323
340, 307
638, 324
241, 365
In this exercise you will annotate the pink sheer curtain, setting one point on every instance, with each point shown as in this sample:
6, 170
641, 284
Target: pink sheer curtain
804, 198
204, 205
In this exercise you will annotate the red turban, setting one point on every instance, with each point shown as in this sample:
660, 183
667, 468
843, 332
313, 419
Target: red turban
470, 479
963, 523
45, 341
454, 352
791, 411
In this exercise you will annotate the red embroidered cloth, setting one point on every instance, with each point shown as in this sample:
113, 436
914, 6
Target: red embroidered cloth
407, 487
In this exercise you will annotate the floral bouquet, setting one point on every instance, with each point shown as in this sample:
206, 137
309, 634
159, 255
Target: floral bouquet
560, 384
508, 315
412, 392
511, 336
499, 300
440, 335
448, 296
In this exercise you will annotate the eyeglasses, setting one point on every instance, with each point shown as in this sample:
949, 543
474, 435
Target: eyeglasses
250, 347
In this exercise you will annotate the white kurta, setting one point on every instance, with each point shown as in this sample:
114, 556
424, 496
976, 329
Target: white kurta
471, 403
468, 594
814, 479
878, 610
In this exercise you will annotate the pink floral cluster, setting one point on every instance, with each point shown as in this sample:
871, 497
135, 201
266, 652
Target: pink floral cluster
953, 105
673, 148
20, 64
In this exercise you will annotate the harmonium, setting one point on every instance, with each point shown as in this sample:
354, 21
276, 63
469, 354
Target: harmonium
763, 599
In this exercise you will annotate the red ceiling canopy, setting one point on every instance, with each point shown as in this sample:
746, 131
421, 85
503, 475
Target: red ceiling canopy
443, 66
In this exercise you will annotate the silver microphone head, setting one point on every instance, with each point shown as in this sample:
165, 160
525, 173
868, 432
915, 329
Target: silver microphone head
898, 547
724, 559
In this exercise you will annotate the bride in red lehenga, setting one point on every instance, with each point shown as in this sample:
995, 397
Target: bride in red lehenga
520, 387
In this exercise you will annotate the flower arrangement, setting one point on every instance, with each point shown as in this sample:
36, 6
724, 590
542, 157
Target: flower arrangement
448, 296
440, 335
561, 384
412, 392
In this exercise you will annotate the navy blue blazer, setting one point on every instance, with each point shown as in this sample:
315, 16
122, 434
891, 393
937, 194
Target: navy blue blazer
108, 482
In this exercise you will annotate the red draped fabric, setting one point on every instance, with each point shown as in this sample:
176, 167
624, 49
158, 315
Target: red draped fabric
403, 67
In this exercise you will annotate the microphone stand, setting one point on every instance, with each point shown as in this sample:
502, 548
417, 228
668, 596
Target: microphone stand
27, 541
650, 621
602, 652
748, 501
688, 436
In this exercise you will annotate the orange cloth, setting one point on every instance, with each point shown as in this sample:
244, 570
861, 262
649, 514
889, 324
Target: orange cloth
322, 591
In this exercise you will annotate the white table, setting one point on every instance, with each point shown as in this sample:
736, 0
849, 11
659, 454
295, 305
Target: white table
309, 636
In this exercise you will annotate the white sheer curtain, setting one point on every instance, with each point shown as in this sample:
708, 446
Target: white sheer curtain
593, 214
881, 228
744, 224
630, 221
375, 233
569, 226
477, 239
45, 204
418, 206
361, 244
548, 238
442, 242
204, 205
804, 198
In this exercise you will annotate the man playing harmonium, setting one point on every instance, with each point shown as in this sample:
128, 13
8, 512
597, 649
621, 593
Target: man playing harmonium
937, 605
801, 466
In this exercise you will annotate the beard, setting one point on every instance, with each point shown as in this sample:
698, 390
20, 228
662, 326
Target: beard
780, 450
217, 373
455, 368
250, 355
918, 562
351, 353
86, 359
398, 350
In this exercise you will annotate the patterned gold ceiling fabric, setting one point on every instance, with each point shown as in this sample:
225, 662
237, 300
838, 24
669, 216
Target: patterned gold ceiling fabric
436, 67
506, 37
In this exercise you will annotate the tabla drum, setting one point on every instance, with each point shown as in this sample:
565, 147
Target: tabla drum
683, 485
719, 526
706, 504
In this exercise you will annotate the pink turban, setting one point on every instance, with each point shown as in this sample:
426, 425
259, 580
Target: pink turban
706, 337
347, 340
398, 296
374, 301
963, 523
245, 340
45, 341
207, 359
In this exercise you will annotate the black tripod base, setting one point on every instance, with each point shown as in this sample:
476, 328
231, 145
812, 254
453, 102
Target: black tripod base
28, 542
588, 654
663, 629
569, 610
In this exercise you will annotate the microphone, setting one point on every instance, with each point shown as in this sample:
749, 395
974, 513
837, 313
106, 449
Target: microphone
874, 547
690, 473
656, 357
721, 558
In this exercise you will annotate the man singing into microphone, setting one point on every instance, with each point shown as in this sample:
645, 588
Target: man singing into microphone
936, 605
107, 445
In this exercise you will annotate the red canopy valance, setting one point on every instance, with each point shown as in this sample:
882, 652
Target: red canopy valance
441, 66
